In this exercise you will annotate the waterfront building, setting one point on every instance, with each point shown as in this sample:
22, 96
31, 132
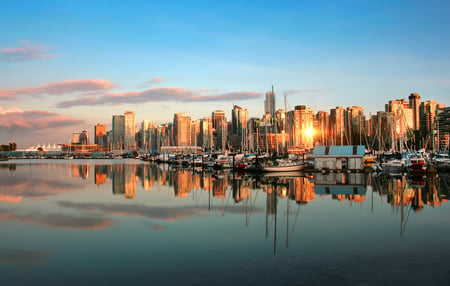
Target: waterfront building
118, 131
239, 120
146, 134
100, 135
427, 116
269, 103
206, 133
337, 120
403, 122
300, 128
220, 130
182, 129
195, 132
354, 125
322, 128
75, 138
443, 128
414, 104
129, 130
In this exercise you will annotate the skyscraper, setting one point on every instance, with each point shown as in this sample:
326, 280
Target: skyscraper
300, 127
118, 130
220, 129
414, 104
337, 120
130, 130
269, 103
100, 135
182, 129
428, 115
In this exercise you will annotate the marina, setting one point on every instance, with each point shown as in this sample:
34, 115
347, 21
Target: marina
311, 227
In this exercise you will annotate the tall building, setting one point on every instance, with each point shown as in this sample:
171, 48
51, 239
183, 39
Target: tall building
414, 104
269, 103
427, 116
239, 136
146, 130
220, 131
118, 132
322, 128
182, 129
337, 122
100, 135
206, 134
130, 130
239, 119
300, 128
354, 123
443, 128
403, 116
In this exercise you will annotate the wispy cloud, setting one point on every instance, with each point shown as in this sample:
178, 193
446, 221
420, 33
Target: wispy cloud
304, 91
15, 119
25, 53
154, 80
178, 94
21, 257
58, 220
88, 86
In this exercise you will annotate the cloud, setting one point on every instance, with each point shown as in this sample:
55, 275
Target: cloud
178, 94
88, 86
25, 53
156, 80
58, 220
304, 91
14, 188
15, 119
154, 212
22, 257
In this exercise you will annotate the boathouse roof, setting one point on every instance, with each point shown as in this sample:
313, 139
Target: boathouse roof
339, 151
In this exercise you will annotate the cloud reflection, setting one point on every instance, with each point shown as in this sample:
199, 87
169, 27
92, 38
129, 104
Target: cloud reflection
58, 220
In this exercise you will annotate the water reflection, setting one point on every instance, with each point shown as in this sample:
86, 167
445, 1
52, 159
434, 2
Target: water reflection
125, 179
168, 215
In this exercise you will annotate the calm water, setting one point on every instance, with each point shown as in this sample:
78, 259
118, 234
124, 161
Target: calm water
116, 222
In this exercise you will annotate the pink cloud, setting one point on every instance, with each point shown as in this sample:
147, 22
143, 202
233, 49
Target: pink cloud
58, 88
15, 119
156, 80
25, 53
59, 220
179, 94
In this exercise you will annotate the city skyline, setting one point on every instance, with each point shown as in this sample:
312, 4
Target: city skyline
61, 69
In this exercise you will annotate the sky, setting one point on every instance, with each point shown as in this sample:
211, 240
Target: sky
67, 65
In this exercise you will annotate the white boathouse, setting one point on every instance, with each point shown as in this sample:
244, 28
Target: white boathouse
339, 158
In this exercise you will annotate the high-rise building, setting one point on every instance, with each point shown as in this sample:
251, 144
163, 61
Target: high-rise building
403, 116
443, 128
118, 131
300, 128
239, 136
354, 125
322, 128
220, 131
130, 130
414, 104
239, 120
269, 103
182, 129
337, 122
206, 134
428, 115
100, 135
146, 136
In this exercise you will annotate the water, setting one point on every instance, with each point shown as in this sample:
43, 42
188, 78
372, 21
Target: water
116, 222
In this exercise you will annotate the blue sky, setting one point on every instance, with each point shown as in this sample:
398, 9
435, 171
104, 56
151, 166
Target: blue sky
159, 58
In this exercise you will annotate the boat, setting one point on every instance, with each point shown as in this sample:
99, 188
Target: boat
416, 164
393, 166
282, 165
